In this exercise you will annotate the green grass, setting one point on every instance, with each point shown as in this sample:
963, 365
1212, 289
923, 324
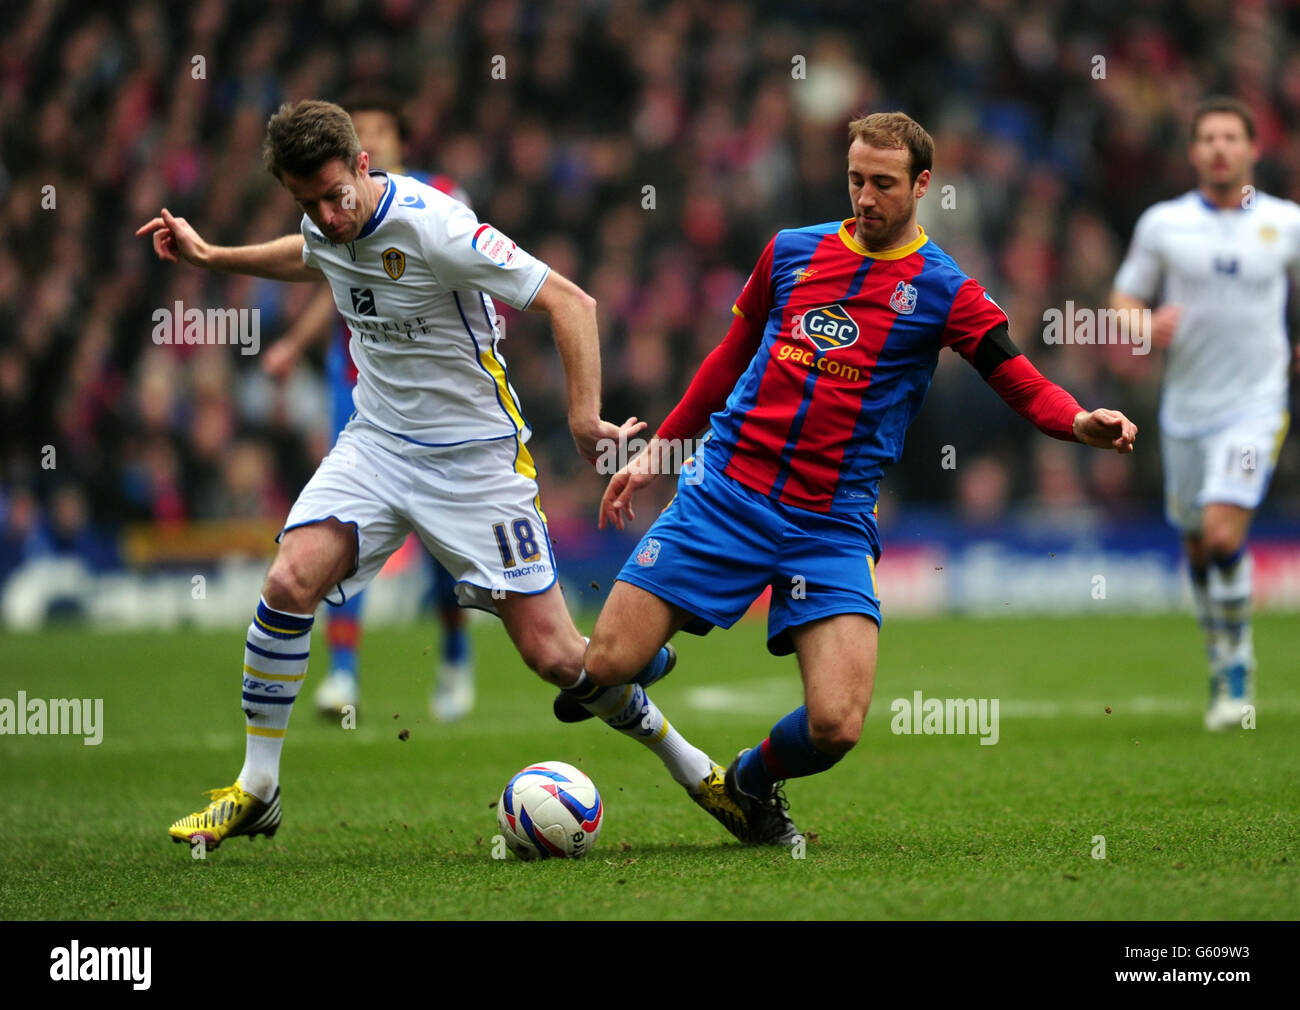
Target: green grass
1197, 826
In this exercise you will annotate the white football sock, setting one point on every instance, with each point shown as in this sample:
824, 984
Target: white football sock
629, 710
1230, 603
275, 666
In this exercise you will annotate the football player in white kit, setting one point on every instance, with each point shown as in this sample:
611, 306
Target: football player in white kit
437, 445
1216, 261
381, 128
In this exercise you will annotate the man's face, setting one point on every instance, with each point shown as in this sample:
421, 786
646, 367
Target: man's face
1221, 153
338, 202
379, 136
883, 194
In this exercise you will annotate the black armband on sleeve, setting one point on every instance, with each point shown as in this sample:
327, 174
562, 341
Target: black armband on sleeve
994, 348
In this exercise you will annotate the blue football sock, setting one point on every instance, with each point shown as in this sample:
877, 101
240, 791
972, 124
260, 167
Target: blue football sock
584, 690
442, 595
654, 669
455, 643
343, 635
788, 753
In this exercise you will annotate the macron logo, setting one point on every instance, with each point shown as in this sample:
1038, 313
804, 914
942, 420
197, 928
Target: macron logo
101, 964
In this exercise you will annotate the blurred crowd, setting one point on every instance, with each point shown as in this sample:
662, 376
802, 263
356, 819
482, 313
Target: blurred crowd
1056, 123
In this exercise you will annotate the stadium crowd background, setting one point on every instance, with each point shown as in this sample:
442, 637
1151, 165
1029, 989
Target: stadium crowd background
1050, 164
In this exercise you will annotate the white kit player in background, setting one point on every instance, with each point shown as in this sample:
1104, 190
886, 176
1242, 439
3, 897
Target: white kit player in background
436, 446
1217, 262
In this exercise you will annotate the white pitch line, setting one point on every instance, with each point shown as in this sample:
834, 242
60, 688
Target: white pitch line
765, 697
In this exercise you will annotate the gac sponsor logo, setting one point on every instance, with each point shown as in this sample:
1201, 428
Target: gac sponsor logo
828, 328
805, 357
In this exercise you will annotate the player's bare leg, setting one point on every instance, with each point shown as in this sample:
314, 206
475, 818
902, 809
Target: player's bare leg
1221, 581
632, 627
544, 633
550, 643
837, 658
618, 696
311, 560
629, 644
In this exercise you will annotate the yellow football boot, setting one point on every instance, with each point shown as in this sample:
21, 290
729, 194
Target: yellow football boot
231, 812
712, 796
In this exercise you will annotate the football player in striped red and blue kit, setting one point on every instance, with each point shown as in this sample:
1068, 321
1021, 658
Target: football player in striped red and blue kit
808, 398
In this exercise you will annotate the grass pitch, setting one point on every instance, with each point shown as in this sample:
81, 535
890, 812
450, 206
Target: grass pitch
1196, 826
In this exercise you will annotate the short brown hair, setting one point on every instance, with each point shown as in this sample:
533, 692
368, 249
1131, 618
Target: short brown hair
301, 138
896, 130
1224, 103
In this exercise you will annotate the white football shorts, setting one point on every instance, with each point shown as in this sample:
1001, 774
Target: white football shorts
475, 506
1231, 466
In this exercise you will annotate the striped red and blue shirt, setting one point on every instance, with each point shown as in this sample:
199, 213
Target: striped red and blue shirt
841, 346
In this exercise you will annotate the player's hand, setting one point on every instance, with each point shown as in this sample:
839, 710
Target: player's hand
1164, 321
616, 505
174, 239
596, 438
279, 360
1105, 429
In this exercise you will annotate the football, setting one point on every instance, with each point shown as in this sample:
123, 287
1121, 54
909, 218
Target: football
550, 809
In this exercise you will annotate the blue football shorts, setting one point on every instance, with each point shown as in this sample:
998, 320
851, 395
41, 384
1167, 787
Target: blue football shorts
719, 544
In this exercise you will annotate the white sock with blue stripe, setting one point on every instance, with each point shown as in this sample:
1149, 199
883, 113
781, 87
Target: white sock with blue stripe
275, 666
628, 709
1230, 603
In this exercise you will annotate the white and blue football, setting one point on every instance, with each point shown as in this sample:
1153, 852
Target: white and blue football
550, 810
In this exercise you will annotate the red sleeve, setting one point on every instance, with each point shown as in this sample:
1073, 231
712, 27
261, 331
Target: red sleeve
714, 381
1036, 398
727, 362
972, 315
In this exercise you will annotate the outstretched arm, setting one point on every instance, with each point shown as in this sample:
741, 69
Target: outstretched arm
278, 260
1042, 402
714, 381
573, 321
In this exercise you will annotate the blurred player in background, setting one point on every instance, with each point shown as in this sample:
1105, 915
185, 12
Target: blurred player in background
1216, 261
832, 346
381, 129
437, 445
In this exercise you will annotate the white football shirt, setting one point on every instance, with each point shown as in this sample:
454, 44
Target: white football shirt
416, 289
1227, 270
